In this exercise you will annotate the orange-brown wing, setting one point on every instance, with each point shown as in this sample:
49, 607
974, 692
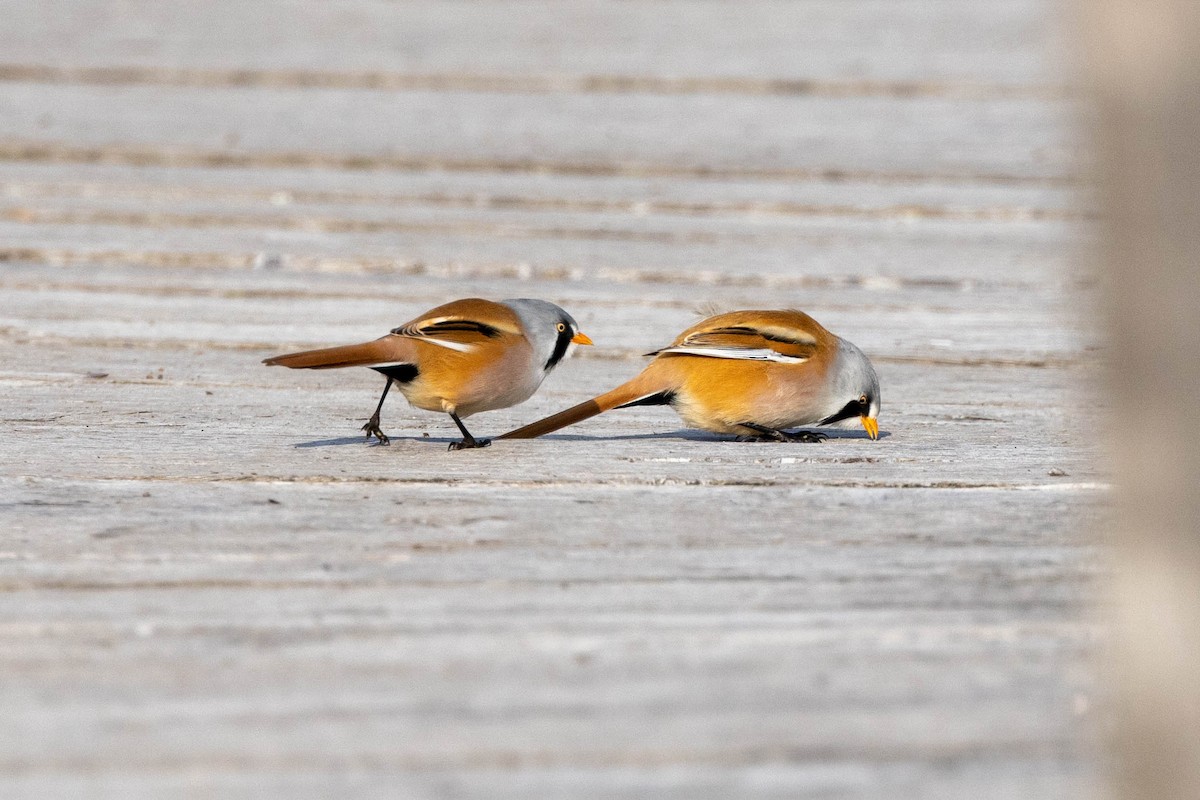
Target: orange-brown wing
462, 325
782, 336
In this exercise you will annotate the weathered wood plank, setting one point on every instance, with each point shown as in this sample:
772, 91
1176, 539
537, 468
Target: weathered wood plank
209, 584
822, 622
995, 138
264, 423
990, 326
834, 254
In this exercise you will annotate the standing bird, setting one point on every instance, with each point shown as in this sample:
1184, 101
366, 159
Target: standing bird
461, 358
750, 373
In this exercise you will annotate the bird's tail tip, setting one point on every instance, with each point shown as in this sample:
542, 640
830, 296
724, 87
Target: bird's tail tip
351, 355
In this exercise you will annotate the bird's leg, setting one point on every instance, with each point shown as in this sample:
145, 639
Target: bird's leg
766, 434
468, 441
372, 426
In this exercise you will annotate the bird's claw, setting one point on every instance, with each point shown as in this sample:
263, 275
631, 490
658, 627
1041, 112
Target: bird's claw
470, 445
372, 429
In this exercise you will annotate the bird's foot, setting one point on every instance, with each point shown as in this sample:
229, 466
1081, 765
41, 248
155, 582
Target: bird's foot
805, 436
372, 429
771, 435
470, 444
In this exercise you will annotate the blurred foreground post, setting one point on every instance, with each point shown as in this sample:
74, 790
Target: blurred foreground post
1143, 61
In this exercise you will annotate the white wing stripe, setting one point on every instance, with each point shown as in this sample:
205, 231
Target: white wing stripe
461, 347
742, 353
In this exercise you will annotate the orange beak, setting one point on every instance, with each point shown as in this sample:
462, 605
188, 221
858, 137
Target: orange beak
581, 338
871, 425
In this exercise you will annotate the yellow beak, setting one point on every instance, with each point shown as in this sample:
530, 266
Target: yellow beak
871, 425
581, 338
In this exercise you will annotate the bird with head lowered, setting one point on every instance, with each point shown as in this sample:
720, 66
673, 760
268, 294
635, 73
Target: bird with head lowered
754, 374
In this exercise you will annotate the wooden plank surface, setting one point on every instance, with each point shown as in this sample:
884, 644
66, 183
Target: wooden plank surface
917, 42
211, 587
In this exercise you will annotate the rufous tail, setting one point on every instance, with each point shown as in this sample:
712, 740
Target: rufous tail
643, 386
352, 355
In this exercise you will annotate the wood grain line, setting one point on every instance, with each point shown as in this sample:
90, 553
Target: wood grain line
945, 756
271, 197
374, 80
435, 294
161, 219
42, 152
789, 481
197, 260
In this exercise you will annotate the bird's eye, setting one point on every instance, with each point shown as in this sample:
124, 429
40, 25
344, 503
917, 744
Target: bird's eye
562, 326
862, 401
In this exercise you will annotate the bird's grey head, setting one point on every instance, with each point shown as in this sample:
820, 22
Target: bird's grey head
853, 390
552, 331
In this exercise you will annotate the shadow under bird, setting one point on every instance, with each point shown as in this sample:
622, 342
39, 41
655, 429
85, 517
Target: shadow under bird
460, 358
754, 374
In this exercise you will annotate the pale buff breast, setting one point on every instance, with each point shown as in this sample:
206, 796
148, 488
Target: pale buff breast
719, 394
495, 374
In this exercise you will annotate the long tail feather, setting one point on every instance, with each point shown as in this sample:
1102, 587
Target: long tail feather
379, 351
643, 386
